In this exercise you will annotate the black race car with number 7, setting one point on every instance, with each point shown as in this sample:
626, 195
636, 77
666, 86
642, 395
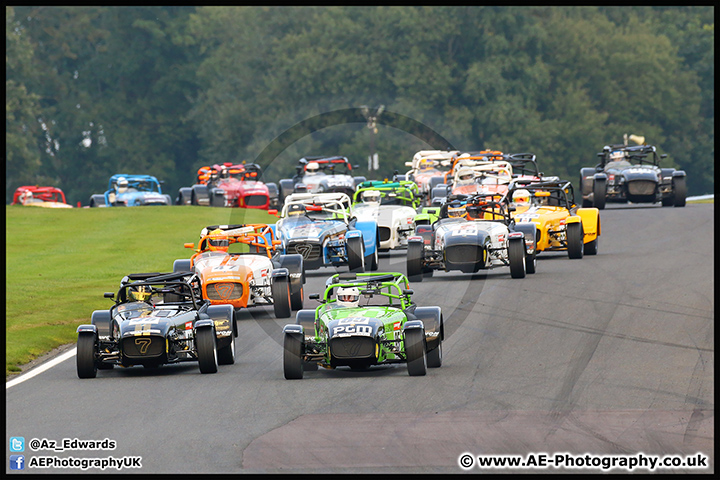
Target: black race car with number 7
363, 320
158, 318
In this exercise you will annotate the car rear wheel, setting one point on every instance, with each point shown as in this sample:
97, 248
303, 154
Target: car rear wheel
599, 192
591, 248
292, 358
679, 192
414, 262
207, 350
434, 356
226, 354
356, 260
415, 352
281, 297
296, 299
85, 356
516, 256
575, 240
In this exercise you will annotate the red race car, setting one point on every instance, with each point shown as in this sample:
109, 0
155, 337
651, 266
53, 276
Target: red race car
36, 196
230, 185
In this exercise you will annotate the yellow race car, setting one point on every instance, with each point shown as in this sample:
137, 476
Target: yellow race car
561, 224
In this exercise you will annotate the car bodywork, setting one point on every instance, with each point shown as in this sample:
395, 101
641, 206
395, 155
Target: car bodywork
561, 224
472, 234
428, 169
442, 189
258, 275
141, 190
37, 196
632, 173
230, 185
334, 175
174, 324
385, 328
327, 234
394, 211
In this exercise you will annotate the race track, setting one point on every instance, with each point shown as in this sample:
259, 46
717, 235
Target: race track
609, 354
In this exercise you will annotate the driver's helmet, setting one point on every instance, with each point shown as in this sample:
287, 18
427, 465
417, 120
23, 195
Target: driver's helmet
218, 244
26, 197
521, 197
122, 185
371, 196
617, 156
296, 209
348, 296
140, 293
312, 168
456, 211
465, 176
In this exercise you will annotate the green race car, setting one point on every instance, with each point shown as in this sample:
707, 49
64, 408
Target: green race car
364, 319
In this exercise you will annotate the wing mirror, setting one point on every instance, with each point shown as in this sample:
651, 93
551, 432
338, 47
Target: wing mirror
408, 292
189, 245
108, 295
314, 296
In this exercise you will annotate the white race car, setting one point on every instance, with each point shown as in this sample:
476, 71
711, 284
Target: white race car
393, 205
471, 235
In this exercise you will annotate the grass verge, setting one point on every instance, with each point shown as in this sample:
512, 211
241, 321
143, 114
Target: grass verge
59, 262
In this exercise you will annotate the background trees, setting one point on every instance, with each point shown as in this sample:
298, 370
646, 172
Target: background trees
93, 91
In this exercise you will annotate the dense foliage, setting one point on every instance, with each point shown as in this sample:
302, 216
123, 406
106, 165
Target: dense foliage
94, 91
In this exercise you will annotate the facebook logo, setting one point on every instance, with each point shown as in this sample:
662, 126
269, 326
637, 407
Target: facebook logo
17, 462
17, 444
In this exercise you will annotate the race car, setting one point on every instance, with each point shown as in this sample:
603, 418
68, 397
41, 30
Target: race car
428, 168
632, 174
255, 274
561, 225
157, 319
131, 191
230, 185
321, 175
321, 227
364, 320
472, 234
441, 190
36, 196
393, 205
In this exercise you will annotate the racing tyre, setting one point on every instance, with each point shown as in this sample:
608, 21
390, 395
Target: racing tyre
516, 255
531, 262
85, 356
414, 262
207, 351
372, 260
226, 354
292, 358
599, 192
356, 260
281, 297
296, 299
575, 240
679, 192
591, 248
181, 265
415, 352
97, 201
434, 356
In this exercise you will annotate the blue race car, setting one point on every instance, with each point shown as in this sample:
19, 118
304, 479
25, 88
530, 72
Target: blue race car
131, 191
321, 228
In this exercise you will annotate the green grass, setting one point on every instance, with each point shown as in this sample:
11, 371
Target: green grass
59, 262
706, 200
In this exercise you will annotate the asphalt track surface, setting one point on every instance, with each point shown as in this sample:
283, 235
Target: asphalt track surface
610, 354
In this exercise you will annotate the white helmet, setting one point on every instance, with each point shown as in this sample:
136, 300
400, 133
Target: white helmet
371, 196
465, 175
312, 168
521, 197
348, 296
122, 185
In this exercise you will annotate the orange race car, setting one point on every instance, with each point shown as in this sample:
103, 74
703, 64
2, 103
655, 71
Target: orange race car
254, 274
